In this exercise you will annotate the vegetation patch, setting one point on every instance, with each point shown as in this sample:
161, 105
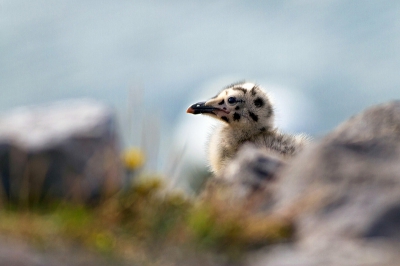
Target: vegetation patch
143, 222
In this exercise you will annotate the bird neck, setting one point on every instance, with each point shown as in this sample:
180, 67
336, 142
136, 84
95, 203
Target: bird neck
245, 134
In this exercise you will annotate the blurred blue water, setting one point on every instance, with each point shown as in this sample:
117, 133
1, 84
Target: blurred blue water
342, 55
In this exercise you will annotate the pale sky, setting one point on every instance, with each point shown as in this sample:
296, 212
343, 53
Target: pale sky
333, 57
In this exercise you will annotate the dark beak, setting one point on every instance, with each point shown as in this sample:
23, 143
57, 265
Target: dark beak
200, 108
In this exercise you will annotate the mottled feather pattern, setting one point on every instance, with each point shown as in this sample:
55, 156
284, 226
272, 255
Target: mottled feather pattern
248, 116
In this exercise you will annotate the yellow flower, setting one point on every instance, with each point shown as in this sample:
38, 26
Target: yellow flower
133, 158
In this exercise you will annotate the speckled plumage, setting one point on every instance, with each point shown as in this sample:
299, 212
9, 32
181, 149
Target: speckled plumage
247, 115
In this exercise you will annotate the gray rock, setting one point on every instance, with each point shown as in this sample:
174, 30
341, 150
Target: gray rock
252, 166
63, 150
248, 180
14, 252
343, 194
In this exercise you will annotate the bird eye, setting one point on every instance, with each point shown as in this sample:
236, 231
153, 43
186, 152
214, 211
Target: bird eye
231, 100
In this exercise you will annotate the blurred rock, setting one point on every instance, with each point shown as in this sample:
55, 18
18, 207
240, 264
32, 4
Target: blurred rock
343, 195
252, 167
252, 174
63, 150
14, 252
247, 180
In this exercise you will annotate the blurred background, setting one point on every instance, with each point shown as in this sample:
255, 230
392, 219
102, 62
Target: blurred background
322, 61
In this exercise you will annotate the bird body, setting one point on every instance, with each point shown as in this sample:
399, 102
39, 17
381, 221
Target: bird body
247, 115
224, 144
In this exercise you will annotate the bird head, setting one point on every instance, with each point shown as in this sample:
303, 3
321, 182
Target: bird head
240, 105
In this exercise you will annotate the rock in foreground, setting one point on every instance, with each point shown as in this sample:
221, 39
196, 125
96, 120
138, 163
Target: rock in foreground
343, 194
64, 150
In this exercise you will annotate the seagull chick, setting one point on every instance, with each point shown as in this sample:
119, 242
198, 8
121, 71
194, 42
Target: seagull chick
248, 116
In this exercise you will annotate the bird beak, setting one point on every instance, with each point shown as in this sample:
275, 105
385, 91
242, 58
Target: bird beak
200, 108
